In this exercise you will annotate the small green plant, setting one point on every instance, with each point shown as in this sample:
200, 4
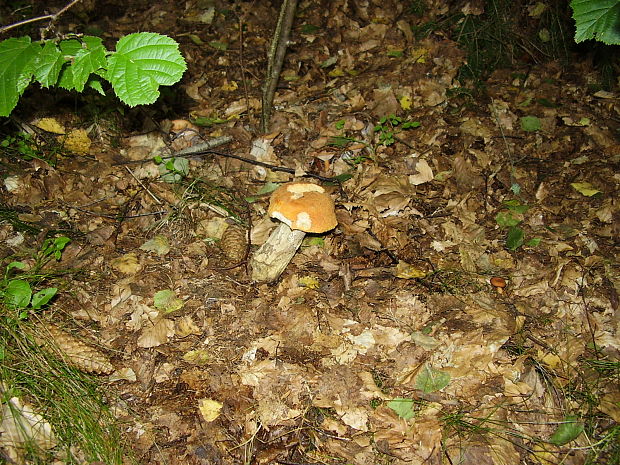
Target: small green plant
511, 218
16, 293
172, 170
391, 125
22, 145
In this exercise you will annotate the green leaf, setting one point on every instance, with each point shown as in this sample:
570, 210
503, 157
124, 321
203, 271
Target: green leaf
329, 62
597, 19
219, 45
17, 293
515, 238
18, 265
585, 188
48, 65
309, 29
431, 380
534, 242
411, 124
339, 141
530, 123
167, 301
95, 83
516, 206
343, 177
174, 169
42, 297
268, 188
402, 407
567, 431
17, 63
90, 58
142, 62
506, 219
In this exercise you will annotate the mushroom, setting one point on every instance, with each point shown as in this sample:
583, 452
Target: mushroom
302, 208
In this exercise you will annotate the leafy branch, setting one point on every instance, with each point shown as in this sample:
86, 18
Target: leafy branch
140, 64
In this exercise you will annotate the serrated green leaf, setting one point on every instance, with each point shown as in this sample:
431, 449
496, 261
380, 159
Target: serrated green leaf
597, 19
515, 238
142, 62
567, 431
430, 380
95, 83
90, 58
42, 297
17, 293
70, 47
17, 60
48, 65
530, 123
402, 407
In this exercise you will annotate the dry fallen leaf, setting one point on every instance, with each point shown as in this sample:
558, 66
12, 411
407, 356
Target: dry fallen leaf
127, 263
209, 409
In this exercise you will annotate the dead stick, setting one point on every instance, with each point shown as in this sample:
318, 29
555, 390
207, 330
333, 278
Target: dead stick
276, 58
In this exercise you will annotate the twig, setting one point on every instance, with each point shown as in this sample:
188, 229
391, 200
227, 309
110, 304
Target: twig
208, 145
282, 169
276, 58
52, 18
117, 217
143, 186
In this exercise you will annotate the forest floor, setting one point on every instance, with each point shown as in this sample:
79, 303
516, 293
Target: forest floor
384, 341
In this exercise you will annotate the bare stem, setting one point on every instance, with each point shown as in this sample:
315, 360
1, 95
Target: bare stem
52, 19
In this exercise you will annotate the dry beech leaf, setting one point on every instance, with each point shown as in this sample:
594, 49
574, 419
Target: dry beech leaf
424, 174
156, 334
127, 264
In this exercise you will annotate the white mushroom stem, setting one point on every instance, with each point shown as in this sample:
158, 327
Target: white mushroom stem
270, 260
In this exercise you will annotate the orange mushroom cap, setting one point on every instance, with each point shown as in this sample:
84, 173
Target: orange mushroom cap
303, 206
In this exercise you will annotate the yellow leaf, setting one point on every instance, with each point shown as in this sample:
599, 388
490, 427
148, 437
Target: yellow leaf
50, 125
537, 9
309, 282
209, 409
585, 188
405, 102
78, 142
197, 357
230, 86
337, 72
551, 360
406, 271
420, 54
